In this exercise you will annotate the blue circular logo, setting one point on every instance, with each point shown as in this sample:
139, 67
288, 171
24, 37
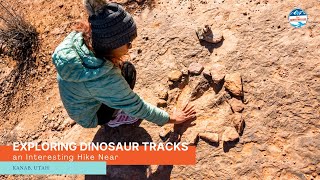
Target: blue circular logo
298, 18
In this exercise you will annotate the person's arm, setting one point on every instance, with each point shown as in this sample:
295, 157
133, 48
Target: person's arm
114, 91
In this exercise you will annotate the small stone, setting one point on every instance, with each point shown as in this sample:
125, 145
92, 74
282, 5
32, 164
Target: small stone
233, 83
206, 73
195, 68
165, 131
163, 95
34, 136
238, 122
185, 71
218, 72
191, 138
162, 103
207, 35
175, 75
236, 105
212, 137
55, 125
314, 174
230, 134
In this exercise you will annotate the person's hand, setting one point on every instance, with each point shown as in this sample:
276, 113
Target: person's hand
180, 116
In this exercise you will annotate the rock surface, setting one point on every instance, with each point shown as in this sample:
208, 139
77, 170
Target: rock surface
233, 83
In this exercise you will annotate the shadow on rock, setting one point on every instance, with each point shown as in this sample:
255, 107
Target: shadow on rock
210, 46
122, 134
163, 173
217, 87
228, 145
125, 134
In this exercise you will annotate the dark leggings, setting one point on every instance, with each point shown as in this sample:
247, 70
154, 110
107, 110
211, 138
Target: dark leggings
128, 71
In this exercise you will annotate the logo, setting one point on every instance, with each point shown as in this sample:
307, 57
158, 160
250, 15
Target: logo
298, 18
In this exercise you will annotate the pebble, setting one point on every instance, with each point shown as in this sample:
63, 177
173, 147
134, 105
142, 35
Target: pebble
230, 134
175, 75
238, 122
185, 71
212, 137
236, 105
163, 94
191, 138
162, 103
195, 68
35, 136
233, 83
206, 34
165, 131
218, 72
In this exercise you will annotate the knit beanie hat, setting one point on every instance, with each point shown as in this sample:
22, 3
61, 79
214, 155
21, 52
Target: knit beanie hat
111, 26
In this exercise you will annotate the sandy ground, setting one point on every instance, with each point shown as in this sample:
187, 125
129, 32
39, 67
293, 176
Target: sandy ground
280, 68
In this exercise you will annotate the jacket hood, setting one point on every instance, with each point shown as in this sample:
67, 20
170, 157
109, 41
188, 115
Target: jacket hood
76, 63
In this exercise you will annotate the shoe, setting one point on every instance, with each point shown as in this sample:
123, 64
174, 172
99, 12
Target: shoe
122, 118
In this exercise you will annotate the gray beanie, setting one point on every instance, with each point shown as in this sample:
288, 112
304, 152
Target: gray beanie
111, 26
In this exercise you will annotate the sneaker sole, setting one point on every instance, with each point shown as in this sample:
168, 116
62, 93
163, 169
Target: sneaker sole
123, 123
